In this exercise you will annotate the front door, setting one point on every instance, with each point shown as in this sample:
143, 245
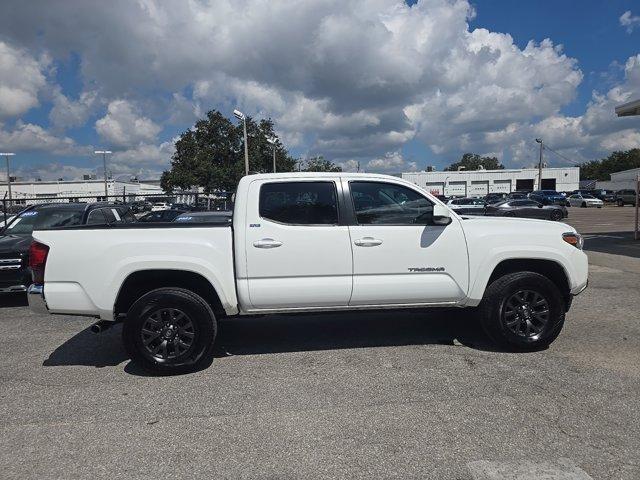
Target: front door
298, 254
399, 255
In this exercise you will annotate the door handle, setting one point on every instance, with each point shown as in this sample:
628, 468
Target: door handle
368, 242
267, 243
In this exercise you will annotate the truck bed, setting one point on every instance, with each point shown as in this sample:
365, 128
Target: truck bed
110, 254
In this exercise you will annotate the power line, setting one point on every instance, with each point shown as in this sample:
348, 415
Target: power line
547, 147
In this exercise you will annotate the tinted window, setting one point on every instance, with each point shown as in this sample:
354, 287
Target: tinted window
108, 212
27, 222
96, 217
299, 203
127, 215
386, 203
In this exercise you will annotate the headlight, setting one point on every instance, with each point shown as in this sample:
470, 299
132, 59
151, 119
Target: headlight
573, 238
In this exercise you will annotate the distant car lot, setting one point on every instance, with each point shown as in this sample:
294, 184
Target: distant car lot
370, 395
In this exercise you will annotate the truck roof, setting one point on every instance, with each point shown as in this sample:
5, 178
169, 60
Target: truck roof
260, 176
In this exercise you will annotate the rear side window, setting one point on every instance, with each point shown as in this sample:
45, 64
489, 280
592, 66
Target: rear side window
299, 203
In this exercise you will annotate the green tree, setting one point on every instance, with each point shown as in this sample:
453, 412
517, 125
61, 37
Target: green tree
616, 162
473, 161
320, 164
211, 154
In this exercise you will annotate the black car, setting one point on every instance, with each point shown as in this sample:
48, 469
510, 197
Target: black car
223, 217
15, 238
518, 194
161, 216
496, 197
528, 209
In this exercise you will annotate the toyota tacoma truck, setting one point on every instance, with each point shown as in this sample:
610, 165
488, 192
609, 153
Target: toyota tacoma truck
308, 242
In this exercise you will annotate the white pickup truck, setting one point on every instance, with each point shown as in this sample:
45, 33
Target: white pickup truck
302, 242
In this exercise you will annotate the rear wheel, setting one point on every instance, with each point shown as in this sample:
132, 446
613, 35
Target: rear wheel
522, 311
556, 215
170, 331
620, 203
584, 205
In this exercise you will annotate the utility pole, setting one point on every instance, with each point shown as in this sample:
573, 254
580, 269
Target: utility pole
241, 116
273, 141
7, 155
539, 140
104, 166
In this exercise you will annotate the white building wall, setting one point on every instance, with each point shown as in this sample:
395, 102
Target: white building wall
80, 188
620, 180
481, 182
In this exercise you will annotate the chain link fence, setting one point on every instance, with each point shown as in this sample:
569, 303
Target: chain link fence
139, 202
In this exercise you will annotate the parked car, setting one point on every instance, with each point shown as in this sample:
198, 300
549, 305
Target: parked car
182, 206
205, 217
584, 200
160, 216
527, 208
15, 238
600, 193
518, 194
467, 206
140, 206
496, 197
158, 206
548, 197
625, 197
309, 242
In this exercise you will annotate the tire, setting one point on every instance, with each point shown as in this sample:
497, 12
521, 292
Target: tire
556, 215
510, 214
520, 329
620, 203
584, 205
175, 323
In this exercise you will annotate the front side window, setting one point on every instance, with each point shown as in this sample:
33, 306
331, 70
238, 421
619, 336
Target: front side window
96, 217
299, 203
379, 203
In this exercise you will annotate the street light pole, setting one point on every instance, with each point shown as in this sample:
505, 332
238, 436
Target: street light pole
104, 166
241, 116
273, 141
539, 140
7, 155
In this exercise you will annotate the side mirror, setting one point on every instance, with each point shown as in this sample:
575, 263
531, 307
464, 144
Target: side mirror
441, 215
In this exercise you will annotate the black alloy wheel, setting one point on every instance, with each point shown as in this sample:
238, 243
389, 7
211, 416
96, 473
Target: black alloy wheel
526, 314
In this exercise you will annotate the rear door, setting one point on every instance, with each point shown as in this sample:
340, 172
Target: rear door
297, 248
399, 256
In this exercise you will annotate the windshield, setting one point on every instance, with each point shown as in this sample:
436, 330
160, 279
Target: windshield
27, 222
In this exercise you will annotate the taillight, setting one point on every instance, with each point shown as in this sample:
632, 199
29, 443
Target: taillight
37, 260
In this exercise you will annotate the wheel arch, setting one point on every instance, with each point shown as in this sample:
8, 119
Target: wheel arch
550, 269
142, 281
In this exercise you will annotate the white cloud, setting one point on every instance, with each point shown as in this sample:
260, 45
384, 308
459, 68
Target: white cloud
68, 113
21, 79
629, 21
349, 79
28, 137
123, 126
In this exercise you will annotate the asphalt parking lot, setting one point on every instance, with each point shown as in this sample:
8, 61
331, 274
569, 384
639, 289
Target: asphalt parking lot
408, 394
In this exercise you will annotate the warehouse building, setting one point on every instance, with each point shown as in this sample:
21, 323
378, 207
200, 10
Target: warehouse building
478, 183
625, 180
77, 188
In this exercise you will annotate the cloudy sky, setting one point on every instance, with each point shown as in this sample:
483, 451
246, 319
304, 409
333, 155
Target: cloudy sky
392, 85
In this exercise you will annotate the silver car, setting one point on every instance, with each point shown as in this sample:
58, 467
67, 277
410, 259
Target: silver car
584, 200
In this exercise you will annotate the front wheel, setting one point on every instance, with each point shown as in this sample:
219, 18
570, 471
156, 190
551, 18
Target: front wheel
584, 205
170, 331
556, 215
620, 203
522, 311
